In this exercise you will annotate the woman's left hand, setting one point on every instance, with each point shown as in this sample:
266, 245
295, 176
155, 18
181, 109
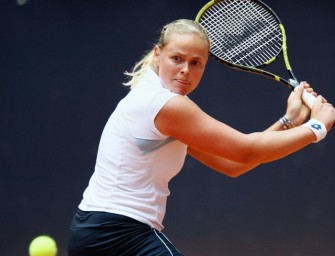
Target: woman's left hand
296, 110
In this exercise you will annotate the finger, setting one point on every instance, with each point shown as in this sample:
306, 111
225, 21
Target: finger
324, 100
305, 84
310, 90
299, 90
321, 99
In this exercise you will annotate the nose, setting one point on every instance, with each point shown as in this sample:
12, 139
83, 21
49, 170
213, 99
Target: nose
185, 69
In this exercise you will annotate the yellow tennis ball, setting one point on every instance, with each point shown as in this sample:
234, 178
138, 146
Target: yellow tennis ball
43, 246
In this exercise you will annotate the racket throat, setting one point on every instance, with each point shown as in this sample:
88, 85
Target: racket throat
294, 82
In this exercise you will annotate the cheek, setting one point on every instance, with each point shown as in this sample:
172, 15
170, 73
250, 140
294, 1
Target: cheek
198, 74
164, 76
167, 70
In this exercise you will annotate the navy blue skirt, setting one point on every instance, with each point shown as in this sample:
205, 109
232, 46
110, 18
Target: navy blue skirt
108, 234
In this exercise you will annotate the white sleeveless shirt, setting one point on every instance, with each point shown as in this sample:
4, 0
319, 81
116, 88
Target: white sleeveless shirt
135, 162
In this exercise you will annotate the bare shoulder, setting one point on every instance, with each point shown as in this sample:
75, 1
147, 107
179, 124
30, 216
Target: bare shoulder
183, 119
179, 105
176, 114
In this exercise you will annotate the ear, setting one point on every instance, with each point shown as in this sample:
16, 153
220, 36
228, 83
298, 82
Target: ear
157, 52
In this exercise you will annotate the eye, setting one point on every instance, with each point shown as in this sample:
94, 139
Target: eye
177, 59
196, 63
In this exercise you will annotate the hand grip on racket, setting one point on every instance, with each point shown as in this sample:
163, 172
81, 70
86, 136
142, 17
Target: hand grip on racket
247, 35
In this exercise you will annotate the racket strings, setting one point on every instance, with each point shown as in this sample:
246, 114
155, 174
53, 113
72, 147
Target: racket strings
235, 37
242, 32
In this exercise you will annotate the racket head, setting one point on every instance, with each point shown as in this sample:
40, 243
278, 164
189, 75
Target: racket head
245, 34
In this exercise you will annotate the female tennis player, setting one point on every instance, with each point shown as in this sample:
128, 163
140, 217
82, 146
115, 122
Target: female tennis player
153, 128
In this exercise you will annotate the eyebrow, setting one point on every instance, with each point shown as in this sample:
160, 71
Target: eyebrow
183, 54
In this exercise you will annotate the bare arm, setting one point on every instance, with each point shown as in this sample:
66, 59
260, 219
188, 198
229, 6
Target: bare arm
225, 166
230, 152
184, 120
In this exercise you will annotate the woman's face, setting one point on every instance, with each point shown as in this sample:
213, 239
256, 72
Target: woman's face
181, 63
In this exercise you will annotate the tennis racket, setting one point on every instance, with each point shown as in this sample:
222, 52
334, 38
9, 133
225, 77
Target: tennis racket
248, 35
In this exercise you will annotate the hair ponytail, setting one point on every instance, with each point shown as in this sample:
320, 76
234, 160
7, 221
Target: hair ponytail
139, 69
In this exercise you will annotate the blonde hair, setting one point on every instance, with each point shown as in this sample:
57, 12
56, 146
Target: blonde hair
180, 26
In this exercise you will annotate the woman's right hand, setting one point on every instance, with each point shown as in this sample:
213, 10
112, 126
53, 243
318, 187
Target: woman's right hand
323, 111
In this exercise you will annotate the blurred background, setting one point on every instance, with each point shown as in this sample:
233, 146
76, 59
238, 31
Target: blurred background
62, 64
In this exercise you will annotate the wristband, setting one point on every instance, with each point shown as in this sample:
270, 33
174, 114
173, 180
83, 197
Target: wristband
286, 123
318, 128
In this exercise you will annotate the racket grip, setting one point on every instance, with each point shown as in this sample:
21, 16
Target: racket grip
308, 99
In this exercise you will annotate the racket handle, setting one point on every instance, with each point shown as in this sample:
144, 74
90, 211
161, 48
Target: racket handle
308, 99
306, 96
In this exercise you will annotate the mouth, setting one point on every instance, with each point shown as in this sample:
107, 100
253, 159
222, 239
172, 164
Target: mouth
182, 81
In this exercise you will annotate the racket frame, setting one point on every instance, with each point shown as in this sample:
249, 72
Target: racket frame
292, 82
